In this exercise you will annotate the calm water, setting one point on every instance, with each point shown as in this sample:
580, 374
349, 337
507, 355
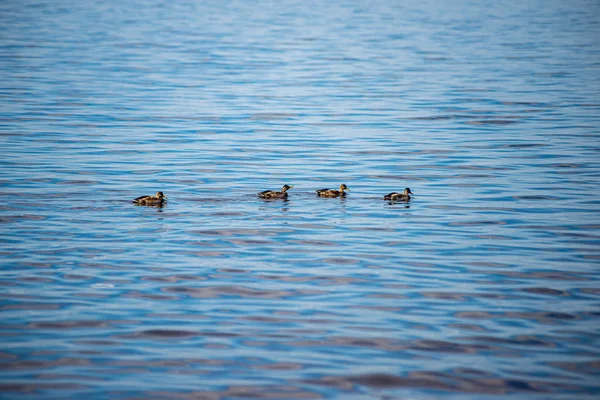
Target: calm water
485, 285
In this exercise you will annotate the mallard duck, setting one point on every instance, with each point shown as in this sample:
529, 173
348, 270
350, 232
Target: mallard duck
395, 196
333, 192
273, 194
155, 200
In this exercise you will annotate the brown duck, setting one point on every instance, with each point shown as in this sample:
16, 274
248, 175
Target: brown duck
395, 196
155, 200
333, 192
273, 194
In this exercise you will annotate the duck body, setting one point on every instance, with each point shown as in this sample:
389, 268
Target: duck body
333, 192
395, 196
158, 199
274, 194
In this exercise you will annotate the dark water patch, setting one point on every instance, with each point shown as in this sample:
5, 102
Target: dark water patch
30, 306
525, 104
173, 278
538, 275
542, 317
35, 279
75, 277
439, 346
493, 122
162, 334
98, 342
441, 117
522, 145
37, 387
234, 271
228, 214
486, 264
466, 297
265, 319
238, 232
538, 197
274, 116
400, 152
208, 253
241, 242
340, 260
325, 280
77, 182
584, 367
386, 344
146, 296
387, 296
168, 362
241, 392
380, 308
46, 364
469, 327
104, 266
280, 367
211, 292
67, 377
591, 291
524, 340
22, 217
547, 291
477, 223
72, 324
314, 243
447, 382
177, 316
7, 356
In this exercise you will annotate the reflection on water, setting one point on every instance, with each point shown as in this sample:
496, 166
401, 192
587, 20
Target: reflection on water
484, 284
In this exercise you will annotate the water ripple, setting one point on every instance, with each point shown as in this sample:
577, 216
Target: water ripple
485, 284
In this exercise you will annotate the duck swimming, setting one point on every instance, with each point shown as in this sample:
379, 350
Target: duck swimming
333, 192
273, 194
155, 200
395, 196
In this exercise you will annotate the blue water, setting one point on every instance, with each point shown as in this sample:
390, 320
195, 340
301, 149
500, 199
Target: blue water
485, 285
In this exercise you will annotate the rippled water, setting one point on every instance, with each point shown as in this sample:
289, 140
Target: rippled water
486, 284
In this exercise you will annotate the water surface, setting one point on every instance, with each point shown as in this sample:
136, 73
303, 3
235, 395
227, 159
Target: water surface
484, 285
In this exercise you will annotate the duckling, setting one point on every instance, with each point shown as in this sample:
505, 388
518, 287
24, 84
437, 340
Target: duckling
395, 196
155, 200
273, 194
333, 192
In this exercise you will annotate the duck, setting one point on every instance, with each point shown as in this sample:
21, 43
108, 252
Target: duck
395, 196
273, 194
333, 192
158, 199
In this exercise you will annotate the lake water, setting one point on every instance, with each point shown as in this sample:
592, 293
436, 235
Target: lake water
485, 285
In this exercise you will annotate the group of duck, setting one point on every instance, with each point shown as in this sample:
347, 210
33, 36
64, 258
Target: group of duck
159, 198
